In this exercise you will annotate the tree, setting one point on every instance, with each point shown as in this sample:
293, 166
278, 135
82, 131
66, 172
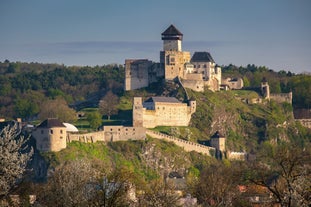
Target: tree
109, 104
80, 183
70, 185
14, 156
57, 108
286, 172
160, 194
217, 185
95, 120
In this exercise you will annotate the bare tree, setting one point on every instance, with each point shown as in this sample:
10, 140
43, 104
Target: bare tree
217, 185
108, 105
57, 108
70, 185
286, 173
160, 194
14, 156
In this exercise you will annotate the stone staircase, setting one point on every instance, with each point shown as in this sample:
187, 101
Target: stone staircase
186, 145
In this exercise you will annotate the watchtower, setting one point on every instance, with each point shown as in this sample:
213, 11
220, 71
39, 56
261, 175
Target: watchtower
138, 112
265, 89
218, 141
172, 57
172, 39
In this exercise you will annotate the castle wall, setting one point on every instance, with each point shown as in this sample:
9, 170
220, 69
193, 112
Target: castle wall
305, 122
174, 62
196, 85
186, 145
233, 83
282, 97
110, 134
136, 73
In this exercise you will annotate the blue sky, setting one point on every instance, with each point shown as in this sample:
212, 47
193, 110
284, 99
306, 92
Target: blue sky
273, 33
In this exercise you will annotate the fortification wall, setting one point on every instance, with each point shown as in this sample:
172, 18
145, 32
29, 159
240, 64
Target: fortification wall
282, 97
236, 155
110, 134
305, 122
196, 85
186, 145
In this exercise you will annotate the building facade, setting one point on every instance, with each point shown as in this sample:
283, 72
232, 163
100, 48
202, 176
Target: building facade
162, 111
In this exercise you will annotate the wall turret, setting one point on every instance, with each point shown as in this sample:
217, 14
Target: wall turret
265, 89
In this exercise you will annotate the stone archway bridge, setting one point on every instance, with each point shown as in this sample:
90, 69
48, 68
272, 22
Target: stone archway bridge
186, 145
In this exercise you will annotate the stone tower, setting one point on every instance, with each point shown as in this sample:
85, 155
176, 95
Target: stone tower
218, 141
172, 57
265, 89
138, 112
193, 105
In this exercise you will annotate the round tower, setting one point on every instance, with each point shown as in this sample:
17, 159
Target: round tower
172, 39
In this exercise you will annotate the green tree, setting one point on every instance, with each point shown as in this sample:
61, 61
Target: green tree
95, 119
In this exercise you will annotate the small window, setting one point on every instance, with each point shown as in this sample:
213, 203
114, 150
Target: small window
110, 129
51, 131
61, 131
61, 137
134, 129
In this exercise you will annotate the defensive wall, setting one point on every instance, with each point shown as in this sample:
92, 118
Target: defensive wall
282, 97
186, 145
110, 134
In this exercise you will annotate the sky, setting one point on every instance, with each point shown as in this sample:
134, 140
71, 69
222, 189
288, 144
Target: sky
271, 33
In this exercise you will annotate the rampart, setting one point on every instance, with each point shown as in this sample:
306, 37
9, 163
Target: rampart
282, 97
110, 134
305, 122
186, 145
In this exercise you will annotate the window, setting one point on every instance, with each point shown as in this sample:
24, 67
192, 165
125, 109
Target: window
61, 137
51, 131
61, 131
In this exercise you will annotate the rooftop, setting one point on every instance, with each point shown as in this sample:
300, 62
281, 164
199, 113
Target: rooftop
202, 57
50, 123
163, 99
172, 30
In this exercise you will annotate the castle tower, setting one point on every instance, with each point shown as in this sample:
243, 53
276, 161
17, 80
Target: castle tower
172, 57
192, 105
265, 89
172, 39
138, 112
218, 141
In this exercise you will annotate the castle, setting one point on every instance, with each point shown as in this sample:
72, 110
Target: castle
194, 72
162, 111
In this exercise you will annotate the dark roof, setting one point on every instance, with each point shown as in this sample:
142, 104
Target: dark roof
50, 123
172, 30
162, 99
202, 57
217, 135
